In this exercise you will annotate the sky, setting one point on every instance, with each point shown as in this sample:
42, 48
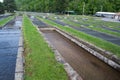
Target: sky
1, 0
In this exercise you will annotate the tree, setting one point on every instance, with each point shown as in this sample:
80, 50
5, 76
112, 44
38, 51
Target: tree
91, 6
1, 8
61, 5
10, 5
117, 5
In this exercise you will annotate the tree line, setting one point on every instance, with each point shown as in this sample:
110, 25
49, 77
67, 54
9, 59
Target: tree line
1, 8
8, 6
89, 6
79, 6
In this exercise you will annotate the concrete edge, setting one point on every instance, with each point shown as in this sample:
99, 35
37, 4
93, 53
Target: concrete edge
19, 70
70, 71
105, 59
112, 56
93, 52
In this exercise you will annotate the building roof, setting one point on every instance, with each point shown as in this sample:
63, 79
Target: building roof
106, 13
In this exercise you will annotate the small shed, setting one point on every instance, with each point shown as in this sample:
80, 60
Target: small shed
69, 12
117, 16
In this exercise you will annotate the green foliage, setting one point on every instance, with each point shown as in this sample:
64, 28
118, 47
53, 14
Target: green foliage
9, 5
36, 5
1, 8
91, 6
40, 60
61, 5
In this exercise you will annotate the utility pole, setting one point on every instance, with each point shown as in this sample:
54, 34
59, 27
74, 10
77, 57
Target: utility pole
83, 8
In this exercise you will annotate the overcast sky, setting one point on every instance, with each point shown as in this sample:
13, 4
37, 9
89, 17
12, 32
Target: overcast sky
1, 0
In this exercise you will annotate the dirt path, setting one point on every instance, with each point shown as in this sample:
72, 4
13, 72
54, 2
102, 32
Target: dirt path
87, 66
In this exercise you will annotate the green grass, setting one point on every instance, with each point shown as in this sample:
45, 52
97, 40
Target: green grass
96, 41
98, 22
93, 22
40, 63
93, 27
105, 31
4, 21
114, 25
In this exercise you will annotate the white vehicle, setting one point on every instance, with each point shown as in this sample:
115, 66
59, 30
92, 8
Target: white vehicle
105, 14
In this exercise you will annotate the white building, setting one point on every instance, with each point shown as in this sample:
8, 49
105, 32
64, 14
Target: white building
105, 14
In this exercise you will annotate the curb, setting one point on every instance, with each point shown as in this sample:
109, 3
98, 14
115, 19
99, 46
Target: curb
112, 60
101, 54
19, 71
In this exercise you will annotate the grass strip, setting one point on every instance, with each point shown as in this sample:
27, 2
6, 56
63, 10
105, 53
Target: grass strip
95, 21
40, 63
96, 41
93, 27
91, 22
116, 34
6, 20
113, 25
